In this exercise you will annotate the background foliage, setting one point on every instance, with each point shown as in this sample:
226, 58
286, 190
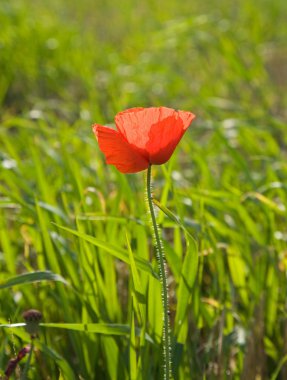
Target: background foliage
64, 66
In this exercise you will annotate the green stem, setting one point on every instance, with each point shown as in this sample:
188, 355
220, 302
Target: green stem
166, 338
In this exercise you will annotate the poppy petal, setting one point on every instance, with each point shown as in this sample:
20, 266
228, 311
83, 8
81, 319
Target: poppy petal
135, 123
155, 131
186, 118
166, 134
118, 151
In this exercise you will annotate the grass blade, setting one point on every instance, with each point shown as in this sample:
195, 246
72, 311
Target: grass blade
28, 278
114, 250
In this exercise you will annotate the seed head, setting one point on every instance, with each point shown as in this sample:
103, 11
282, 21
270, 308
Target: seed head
32, 318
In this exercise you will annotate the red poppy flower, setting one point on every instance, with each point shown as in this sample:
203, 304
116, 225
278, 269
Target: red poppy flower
144, 136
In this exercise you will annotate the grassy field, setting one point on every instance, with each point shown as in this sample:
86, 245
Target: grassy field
75, 241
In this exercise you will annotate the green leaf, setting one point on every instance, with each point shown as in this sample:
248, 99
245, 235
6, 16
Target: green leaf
186, 282
114, 250
97, 328
10, 325
237, 270
168, 213
279, 367
139, 298
54, 210
66, 370
28, 278
132, 346
187, 277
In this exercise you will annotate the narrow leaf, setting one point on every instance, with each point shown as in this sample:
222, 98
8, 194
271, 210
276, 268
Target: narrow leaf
114, 250
132, 347
98, 328
28, 278
186, 282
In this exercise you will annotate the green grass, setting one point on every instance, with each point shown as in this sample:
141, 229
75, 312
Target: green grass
79, 228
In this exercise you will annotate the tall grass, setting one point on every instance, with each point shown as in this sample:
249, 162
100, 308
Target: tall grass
79, 228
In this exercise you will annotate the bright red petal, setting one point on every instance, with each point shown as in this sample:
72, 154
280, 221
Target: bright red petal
155, 131
166, 134
118, 151
135, 124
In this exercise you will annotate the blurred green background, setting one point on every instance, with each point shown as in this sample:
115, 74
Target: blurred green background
67, 64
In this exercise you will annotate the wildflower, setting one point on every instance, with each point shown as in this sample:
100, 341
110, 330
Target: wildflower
144, 137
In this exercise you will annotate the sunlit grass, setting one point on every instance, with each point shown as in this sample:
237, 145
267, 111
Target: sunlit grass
82, 226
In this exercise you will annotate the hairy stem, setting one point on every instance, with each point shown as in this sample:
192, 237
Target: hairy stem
166, 338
